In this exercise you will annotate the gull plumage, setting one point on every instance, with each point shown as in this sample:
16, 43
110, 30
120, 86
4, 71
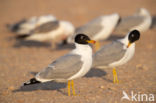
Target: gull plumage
26, 25
141, 20
54, 31
116, 53
73, 65
98, 29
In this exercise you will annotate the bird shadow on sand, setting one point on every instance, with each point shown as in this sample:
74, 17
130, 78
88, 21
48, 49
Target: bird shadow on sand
52, 85
23, 43
94, 72
31, 43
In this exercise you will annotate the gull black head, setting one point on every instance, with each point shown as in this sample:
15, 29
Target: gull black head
133, 36
83, 39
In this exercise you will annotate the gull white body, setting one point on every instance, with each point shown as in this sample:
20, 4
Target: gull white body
128, 55
108, 22
86, 57
145, 25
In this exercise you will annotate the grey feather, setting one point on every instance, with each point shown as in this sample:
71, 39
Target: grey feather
46, 27
62, 68
129, 22
92, 28
108, 54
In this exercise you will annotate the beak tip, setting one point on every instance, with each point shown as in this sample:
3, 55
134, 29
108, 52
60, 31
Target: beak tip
94, 42
128, 45
91, 41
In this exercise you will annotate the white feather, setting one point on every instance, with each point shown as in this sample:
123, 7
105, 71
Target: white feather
145, 25
65, 28
128, 55
108, 22
34, 22
86, 57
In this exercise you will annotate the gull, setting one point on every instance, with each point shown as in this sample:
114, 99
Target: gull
73, 65
98, 29
141, 21
54, 30
116, 53
26, 25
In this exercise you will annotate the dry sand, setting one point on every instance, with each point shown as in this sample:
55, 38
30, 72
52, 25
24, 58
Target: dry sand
18, 62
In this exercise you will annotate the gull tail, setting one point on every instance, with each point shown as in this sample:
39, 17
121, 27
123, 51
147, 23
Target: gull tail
31, 81
15, 27
22, 36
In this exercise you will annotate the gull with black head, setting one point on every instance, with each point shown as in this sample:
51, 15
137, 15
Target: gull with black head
53, 31
98, 29
141, 21
116, 53
25, 26
73, 65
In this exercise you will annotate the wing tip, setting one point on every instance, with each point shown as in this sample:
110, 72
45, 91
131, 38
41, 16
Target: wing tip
30, 82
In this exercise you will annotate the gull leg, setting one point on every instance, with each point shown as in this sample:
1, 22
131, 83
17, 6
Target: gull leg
69, 88
73, 89
53, 46
97, 45
115, 80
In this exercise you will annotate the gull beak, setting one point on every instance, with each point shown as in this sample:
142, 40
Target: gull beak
128, 45
91, 41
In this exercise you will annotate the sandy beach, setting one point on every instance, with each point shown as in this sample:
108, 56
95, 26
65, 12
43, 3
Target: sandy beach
19, 62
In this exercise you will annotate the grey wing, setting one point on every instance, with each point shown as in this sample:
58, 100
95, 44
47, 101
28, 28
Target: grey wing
46, 27
129, 22
62, 68
108, 54
92, 28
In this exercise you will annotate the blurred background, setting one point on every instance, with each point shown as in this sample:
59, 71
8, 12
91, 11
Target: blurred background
16, 64
76, 11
